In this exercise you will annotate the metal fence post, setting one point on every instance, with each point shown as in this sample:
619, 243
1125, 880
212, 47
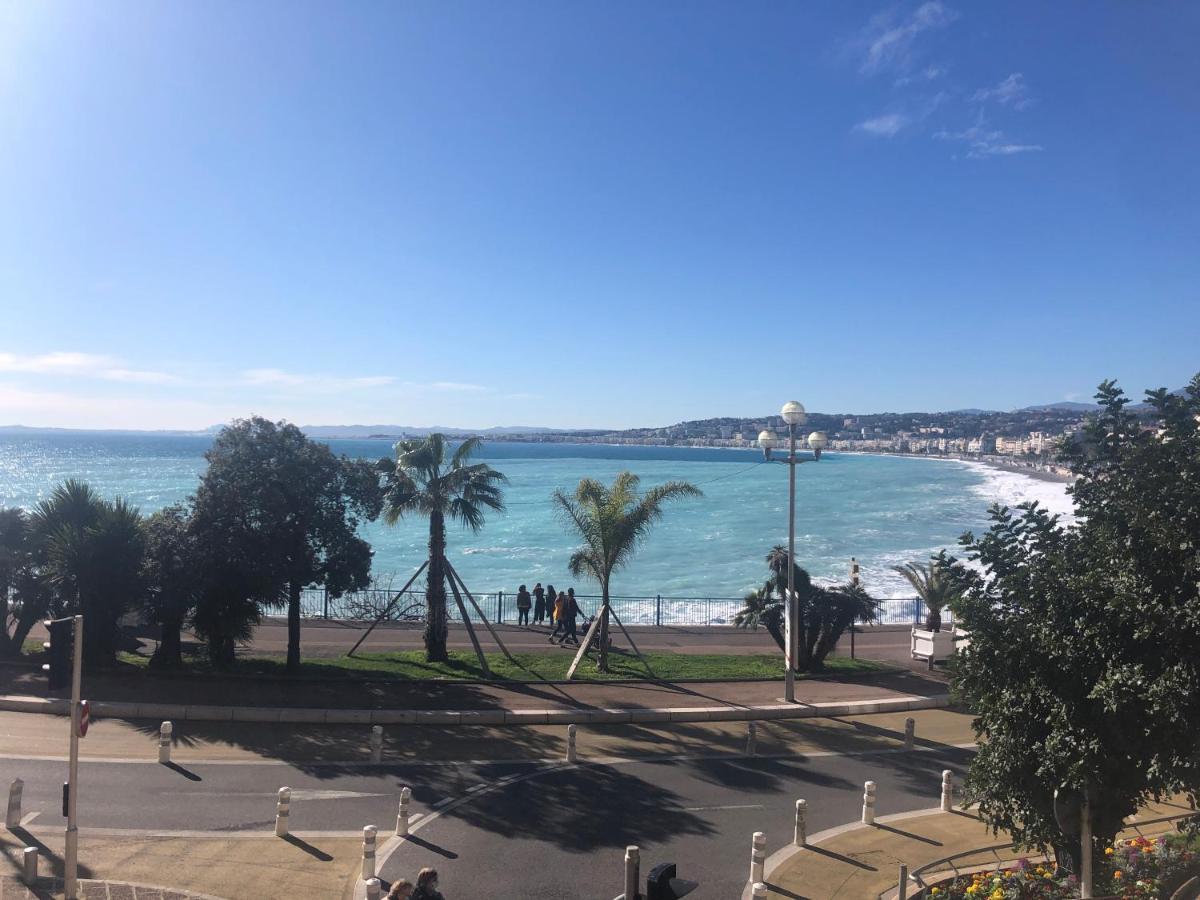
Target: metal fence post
902, 886
658, 610
499, 607
326, 602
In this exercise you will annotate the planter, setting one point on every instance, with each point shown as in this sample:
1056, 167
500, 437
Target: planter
932, 645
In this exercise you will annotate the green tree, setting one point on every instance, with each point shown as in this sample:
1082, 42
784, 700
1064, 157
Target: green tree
420, 482
933, 586
612, 522
1083, 666
23, 598
172, 578
296, 505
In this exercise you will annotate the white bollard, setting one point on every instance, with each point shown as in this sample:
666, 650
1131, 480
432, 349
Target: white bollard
370, 832
758, 856
868, 815
374, 889
13, 818
402, 816
29, 870
751, 738
283, 809
571, 755
801, 837
633, 862
164, 742
376, 743
910, 730
759, 891
947, 790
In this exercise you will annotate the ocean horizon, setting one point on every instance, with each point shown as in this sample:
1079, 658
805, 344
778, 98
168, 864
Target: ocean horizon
883, 510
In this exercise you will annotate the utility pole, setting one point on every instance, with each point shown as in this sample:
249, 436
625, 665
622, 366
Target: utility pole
71, 872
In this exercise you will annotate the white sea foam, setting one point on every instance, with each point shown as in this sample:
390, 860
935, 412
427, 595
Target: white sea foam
1011, 488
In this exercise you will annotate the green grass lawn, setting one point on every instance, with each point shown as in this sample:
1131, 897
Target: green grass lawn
411, 665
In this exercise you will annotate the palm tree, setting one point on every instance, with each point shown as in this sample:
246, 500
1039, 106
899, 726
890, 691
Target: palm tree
612, 521
418, 481
763, 607
932, 586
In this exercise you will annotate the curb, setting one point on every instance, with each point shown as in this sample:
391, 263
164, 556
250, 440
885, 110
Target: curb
179, 712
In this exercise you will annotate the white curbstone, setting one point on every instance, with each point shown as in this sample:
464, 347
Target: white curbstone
13, 818
868, 810
403, 816
165, 731
571, 753
374, 889
759, 891
751, 738
910, 731
376, 743
633, 862
370, 832
947, 790
283, 809
29, 869
801, 837
758, 856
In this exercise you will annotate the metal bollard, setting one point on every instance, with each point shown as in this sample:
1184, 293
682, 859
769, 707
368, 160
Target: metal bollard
402, 816
902, 886
633, 862
13, 818
164, 742
758, 856
283, 809
868, 814
374, 889
376, 743
571, 756
910, 730
759, 891
947, 790
370, 832
801, 837
751, 738
29, 873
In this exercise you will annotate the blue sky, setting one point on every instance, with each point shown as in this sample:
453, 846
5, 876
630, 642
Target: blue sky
577, 214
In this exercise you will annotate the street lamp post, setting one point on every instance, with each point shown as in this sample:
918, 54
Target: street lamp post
793, 414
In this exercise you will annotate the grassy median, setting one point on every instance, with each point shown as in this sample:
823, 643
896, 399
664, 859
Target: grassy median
410, 665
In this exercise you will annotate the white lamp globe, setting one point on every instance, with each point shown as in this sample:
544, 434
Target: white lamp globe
766, 439
817, 440
793, 413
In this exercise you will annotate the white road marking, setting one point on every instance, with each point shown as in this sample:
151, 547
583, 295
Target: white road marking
441, 803
707, 808
297, 794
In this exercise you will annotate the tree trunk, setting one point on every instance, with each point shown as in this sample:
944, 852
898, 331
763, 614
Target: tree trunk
169, 654
435, 591
293, 654
602, 665
933, 621
776, 633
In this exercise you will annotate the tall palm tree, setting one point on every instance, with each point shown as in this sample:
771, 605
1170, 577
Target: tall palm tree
763, 607
612, 521
419, 481
932, 586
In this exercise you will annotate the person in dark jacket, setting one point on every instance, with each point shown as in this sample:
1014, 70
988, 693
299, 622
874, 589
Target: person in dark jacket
524, 601
539, 604
570, 614
427, 886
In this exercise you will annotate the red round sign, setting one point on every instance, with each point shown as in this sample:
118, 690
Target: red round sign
85, 715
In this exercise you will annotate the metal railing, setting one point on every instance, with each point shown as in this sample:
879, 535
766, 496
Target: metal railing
501, 607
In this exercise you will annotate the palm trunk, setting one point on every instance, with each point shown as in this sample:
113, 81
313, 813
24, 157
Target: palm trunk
293, 653
435, 591
169, 654
602, 665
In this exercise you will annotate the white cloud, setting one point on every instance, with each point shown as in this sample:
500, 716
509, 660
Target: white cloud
983, 141
80, 365
313, 382
887, 125
929, 73
1009, 92
888, 44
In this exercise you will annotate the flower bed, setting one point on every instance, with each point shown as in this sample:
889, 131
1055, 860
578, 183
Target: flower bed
1135, 868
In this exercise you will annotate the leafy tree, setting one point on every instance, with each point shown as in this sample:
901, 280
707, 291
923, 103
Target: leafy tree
172, 579
296, 506
933, 586
420, 482
1083, 665
23, 598
823, 614
612, 522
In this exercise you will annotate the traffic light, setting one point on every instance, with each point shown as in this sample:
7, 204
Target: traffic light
59, 649
661, 883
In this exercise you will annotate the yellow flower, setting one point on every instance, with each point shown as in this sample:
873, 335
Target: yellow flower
1118, 874
1108, 851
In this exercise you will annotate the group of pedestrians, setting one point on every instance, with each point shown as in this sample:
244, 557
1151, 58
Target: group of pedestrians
562, 609
426, 887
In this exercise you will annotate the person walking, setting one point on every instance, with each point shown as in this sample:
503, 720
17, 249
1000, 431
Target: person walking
559, 608
524, 601
427, 886
401, 889
570, 613
539, 604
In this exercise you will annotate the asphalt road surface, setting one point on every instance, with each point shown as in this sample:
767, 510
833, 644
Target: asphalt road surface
518, 831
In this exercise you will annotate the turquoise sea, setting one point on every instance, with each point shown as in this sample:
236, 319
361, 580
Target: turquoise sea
884, 510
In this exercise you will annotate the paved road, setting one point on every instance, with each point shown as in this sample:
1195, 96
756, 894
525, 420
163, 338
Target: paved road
513, 830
